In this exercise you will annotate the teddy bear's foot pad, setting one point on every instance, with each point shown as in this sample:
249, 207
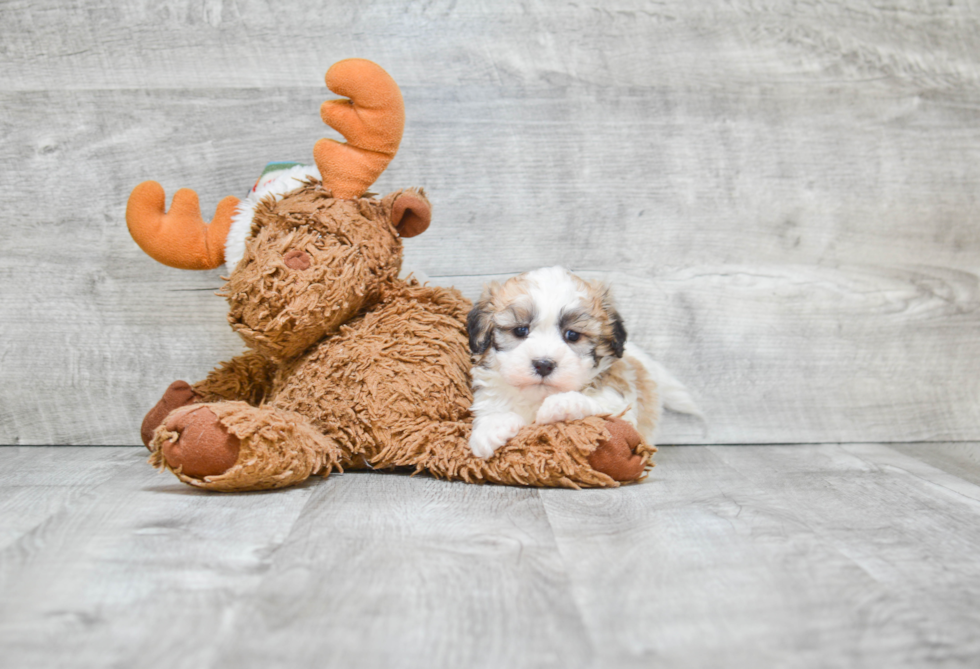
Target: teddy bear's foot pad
201, 446
616, 456
177, 394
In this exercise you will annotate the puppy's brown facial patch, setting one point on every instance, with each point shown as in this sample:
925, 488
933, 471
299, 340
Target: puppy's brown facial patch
598, 320
518, 314
579, 329
513, 324
611, 339
497, 317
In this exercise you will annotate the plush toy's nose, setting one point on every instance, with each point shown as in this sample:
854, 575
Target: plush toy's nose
296, 259
543, 367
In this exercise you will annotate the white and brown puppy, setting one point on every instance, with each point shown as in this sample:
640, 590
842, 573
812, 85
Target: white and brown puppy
549, 347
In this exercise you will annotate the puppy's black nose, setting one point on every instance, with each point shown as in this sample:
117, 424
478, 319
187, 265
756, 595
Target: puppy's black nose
543, 367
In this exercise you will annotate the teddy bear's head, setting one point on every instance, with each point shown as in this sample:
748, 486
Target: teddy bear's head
313, 261
305, 255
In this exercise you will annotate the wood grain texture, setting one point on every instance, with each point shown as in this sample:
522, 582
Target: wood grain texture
785, 196
857, 555
214, 43
130, 568
850, 555
385, 571
959, 459
37, 485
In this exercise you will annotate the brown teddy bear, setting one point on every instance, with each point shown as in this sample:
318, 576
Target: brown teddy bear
348, 366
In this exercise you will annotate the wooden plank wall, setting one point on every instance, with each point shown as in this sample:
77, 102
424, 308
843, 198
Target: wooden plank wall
785, 195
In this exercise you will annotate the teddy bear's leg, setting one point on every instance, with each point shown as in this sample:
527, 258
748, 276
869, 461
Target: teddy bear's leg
234, 446
245, 377
594, 452
177, 394
624, 456
198, 445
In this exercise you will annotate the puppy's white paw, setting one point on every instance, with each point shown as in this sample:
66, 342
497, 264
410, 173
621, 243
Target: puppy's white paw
566, 406
492, 431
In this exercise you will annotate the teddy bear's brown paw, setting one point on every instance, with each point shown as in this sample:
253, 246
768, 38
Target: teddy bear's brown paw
616, 457
197, 443
178, 394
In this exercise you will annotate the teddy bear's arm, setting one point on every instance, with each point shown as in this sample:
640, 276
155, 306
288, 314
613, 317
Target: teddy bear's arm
246, 378
594, 452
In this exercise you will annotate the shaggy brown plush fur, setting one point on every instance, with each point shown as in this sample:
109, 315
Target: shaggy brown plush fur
350, 366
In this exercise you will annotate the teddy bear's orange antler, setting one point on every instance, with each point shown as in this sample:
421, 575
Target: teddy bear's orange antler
179, 238
371, 121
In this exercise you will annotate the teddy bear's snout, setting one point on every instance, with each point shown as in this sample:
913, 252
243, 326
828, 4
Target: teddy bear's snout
296, 259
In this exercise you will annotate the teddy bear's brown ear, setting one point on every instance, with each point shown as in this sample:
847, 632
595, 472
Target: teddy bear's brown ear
410, 213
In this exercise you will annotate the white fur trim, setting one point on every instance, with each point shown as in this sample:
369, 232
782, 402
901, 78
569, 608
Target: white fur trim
241, 223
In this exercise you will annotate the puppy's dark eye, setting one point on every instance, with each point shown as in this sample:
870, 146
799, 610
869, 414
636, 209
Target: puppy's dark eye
520, 332
571, 336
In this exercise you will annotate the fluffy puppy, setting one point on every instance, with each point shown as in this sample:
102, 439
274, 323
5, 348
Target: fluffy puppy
548, 347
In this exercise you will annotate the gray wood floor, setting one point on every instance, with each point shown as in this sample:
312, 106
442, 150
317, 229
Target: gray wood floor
851, 555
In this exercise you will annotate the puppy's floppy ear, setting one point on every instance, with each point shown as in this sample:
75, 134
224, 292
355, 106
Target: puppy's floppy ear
479, 323
618, 340
613, 330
